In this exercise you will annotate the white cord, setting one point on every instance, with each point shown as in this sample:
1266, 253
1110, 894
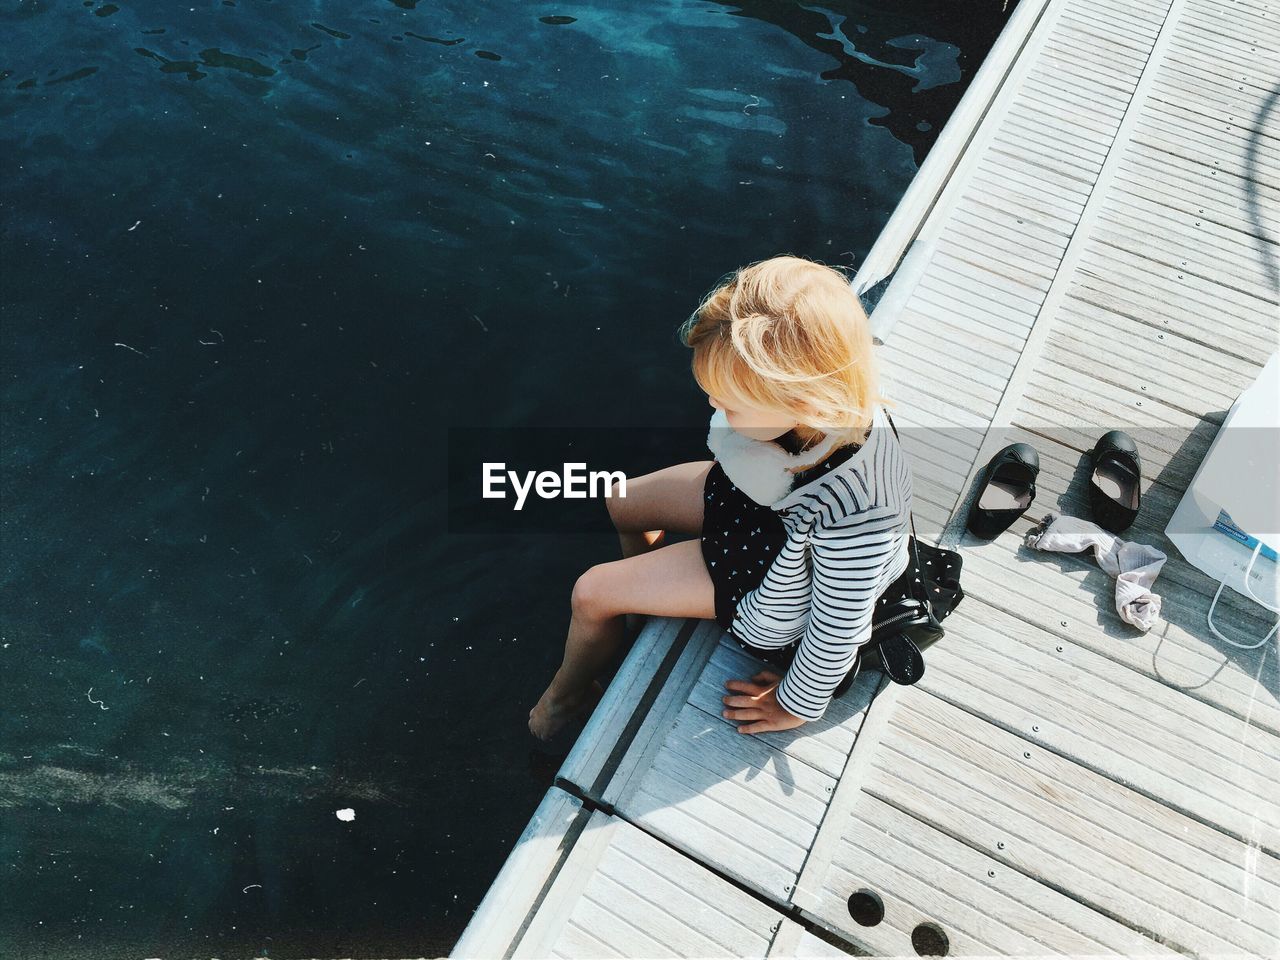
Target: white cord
1259, 600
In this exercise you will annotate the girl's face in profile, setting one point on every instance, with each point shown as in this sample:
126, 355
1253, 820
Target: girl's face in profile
756, 424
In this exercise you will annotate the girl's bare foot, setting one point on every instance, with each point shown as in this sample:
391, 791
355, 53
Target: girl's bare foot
549, 715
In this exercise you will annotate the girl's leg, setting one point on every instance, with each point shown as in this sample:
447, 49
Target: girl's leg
666, 499
669, 581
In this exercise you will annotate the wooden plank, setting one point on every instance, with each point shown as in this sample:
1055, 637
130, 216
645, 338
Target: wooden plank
1164, 366
999, 248
1096, 129
1164, 183
1121, 27
1042, 90
942, 412
623, 893
1086, 138
1180, 301
948, 156
969, 387
1189, 93
1074, 600
1209, 96
1234, 21
1190, 589
809, 892
1175, 749
1067, 152
1120, 853
793, 940
1221, 188
1052, 214
609, 723
1170, 451
954, 325
979, 219
1011, 302
556, 910
499, 920
1154, 134
910, 355
1046, 163
1200, 252
1140, 11
1184, 368
1219, 147
822, 744
909, 361
1238, 54
1107, 32
1065, 72
693, 780
1200, 62
1116, 64
703, 747
1219, 103
712, 834
934, 450
998, 273
961, 314
924, 876
647, 740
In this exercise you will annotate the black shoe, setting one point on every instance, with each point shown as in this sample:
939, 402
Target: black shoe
1115, 485
1008, 487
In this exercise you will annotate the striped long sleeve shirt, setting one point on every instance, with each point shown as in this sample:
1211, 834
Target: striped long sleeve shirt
847, 540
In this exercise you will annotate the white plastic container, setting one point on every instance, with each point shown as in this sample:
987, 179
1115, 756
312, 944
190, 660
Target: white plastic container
1239, 481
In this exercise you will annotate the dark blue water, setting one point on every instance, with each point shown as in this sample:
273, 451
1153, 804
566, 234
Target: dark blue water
257, 258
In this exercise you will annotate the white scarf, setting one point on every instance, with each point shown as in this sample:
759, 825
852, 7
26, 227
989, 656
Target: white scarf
759, 468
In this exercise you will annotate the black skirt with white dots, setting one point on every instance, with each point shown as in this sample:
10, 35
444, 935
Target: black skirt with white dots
740, 538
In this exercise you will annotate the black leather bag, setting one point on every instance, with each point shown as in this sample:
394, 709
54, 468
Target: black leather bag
909, 614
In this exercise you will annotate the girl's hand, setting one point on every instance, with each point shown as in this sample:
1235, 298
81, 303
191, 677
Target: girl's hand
757, 702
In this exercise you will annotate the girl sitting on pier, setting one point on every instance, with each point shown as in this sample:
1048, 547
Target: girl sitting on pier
801, 520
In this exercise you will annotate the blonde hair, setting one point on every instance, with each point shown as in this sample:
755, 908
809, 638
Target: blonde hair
785, 333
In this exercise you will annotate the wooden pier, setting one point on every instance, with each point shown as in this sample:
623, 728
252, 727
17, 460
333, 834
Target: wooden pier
1094, 243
